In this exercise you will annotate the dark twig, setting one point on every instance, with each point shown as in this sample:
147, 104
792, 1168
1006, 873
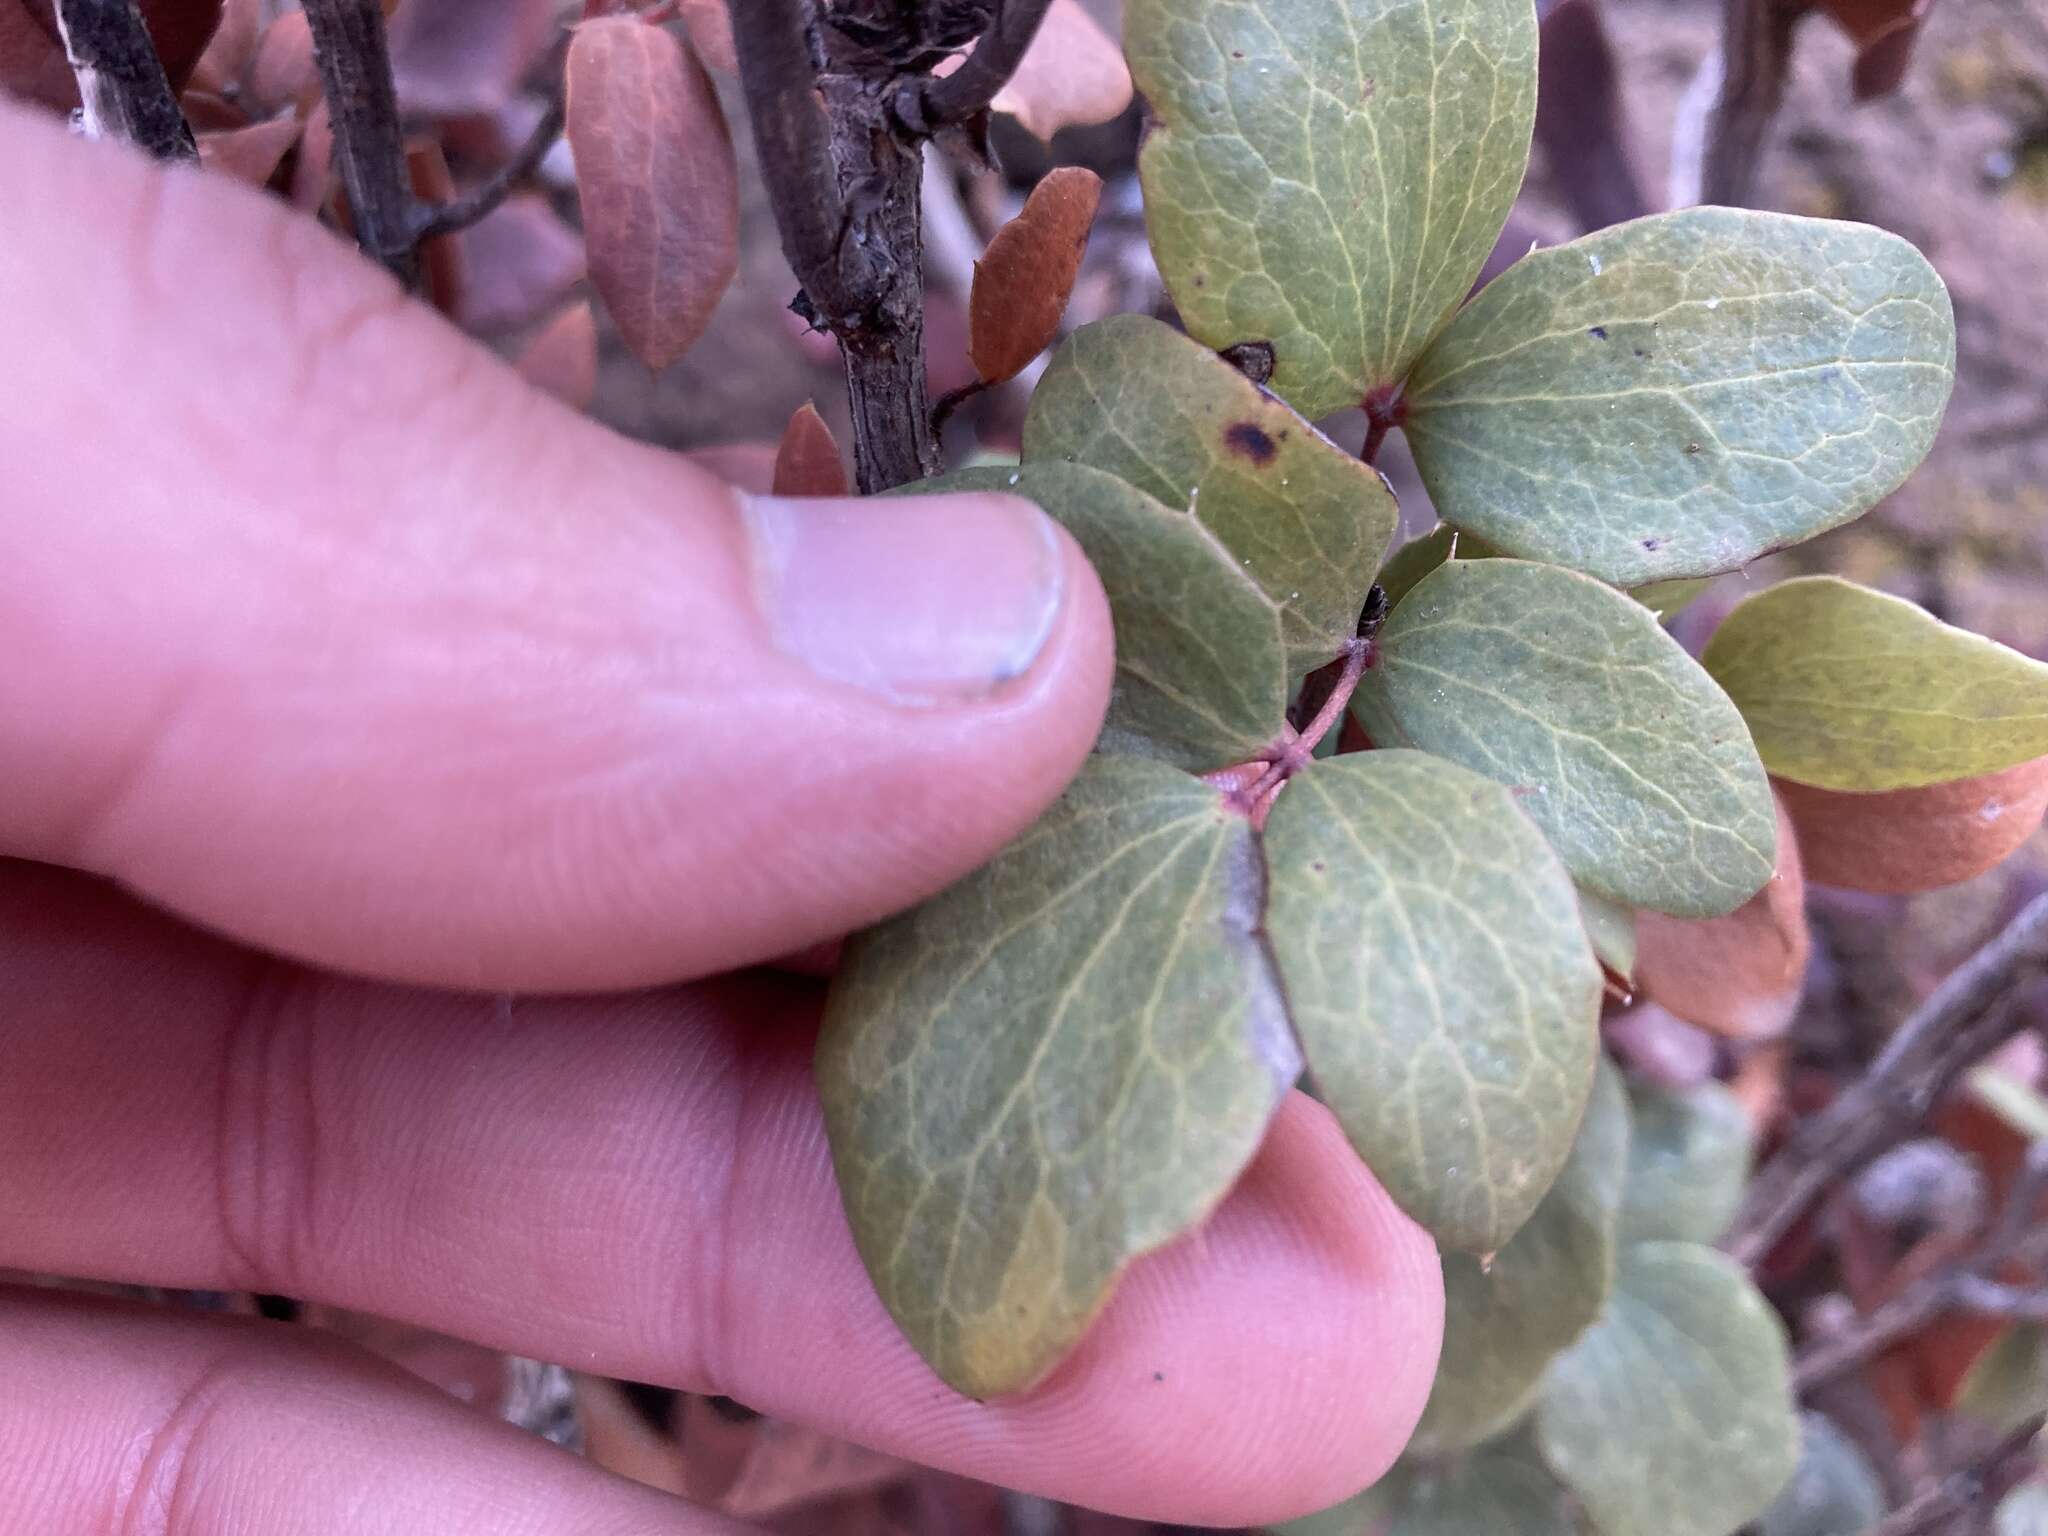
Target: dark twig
1970, 1015
928, 105
1580, 117
845, 186
1961, 1490
1756, 51
121, 81
951, 401
355, 73
432, 220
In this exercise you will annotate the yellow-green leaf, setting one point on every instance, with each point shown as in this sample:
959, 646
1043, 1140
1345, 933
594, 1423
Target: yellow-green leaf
1506, 1320
1056, 1065
1305, 520
1673, 1412
1846, 688
1611, 926
1442, 987
1327, 176
1619, 746
1677, 395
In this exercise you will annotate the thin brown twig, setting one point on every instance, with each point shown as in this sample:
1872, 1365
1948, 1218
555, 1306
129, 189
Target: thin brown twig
1958, 1491
1970, 1015
928, 105
434, 219
1756, 53
354, 58
124, 91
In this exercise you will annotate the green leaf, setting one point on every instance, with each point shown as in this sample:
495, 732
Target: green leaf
1442, 987
1673, 1413
2008, 1384
1622, 749
1202, 678
1418, 557
1677, 395
1327, 176
1687, 1164
1497, 1489
1846, 688
1056, 1065
1504, 1322
1305, 520
1834, 1492
1612, 927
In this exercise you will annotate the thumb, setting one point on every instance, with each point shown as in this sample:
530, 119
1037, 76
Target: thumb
325, 629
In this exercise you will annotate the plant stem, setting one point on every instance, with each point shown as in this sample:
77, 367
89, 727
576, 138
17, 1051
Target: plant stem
355, 73
1756, 50
1970, 1015
121, 82
1961, 1490
461, 212
927, 105
844, 184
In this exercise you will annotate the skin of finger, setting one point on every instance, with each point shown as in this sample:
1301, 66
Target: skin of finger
327, 629
124, 1419
641, 1187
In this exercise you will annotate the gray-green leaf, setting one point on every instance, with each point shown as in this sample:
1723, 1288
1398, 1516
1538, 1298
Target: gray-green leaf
1611, 925
1442, 986
1497, 1490
1202, 676
1327, 176
1504, 1322
1834, 1492
1673, 1413
1677, 395
1304, 519
1687, 1163
1056, 1065
1621, 748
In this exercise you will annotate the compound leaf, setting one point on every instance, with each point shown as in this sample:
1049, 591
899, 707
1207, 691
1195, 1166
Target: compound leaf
1621, 748
1058, 1064
1846, 688
1680, 394
1201, 671
1442, 986
1327, 176
1504, 1322
1673, 1412
1306, 521
1688, 1161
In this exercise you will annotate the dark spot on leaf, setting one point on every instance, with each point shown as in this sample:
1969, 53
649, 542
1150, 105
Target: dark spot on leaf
1318, 866
1253, 359
1653, 544
1237, 53
1251, 440
1597, 332
1368, 90
1641, 353
1692, 447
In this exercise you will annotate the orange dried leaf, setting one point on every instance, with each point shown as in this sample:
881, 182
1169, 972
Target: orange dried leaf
1906, 840
562, 359
709, 24
207, 113
1884, 32
250, 154
1023, 279
1072, 73
1737, 975
659, 187
808, 462
283, 73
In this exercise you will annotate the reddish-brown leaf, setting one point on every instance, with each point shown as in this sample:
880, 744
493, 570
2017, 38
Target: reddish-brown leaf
562, 359
1737, 975
518, 263
1884, 32
808, 462
313, 174
250, 154
440, 259
709, 24
207, 113
1072, 73
1907, 840
455, 57
283, 73
232, 49
32, 61
1022, 281
657, 180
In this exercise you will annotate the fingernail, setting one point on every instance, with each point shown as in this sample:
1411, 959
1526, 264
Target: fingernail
922, 599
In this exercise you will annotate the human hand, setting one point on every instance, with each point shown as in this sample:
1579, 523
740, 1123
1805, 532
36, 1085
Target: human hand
323, 631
